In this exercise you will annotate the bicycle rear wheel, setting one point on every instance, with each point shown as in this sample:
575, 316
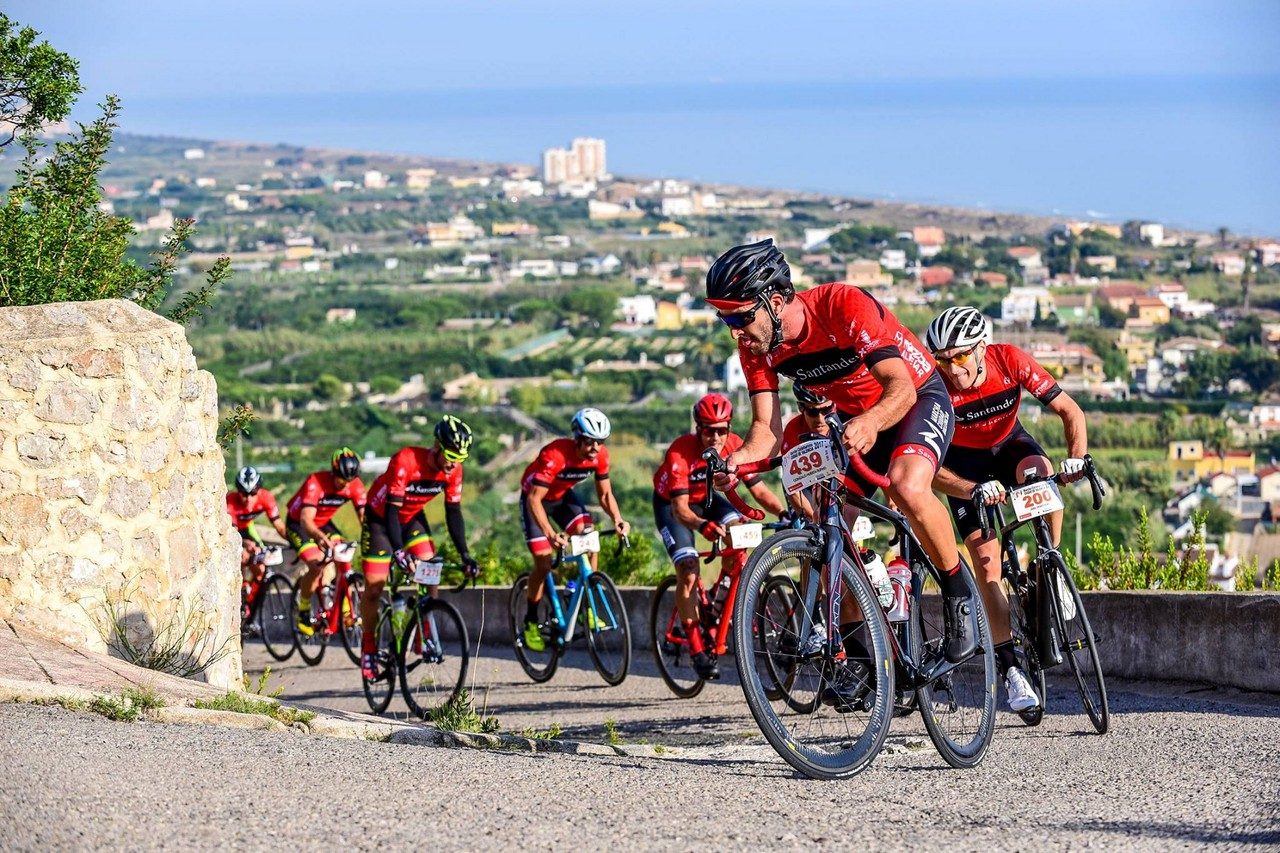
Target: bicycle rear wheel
1079, 646
604, 618
539, 666
350, 625
378, 691
311, 646
668, 642
959, 707
777, 624
821, 741
276, 615
435, 656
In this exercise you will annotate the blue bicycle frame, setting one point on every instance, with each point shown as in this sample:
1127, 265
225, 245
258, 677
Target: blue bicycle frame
597, 604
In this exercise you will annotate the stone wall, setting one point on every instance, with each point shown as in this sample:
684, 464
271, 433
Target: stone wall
111, 482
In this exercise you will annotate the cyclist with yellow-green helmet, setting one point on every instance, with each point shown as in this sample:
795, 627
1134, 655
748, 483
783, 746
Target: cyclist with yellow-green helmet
310, 529
396, 528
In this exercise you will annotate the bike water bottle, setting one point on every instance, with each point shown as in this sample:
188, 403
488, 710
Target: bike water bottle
719, 597
879, 577
900, 579
399, 614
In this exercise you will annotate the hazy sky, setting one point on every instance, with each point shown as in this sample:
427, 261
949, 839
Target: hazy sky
152, 49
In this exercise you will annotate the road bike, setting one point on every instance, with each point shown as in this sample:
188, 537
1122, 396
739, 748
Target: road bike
335, 609
841, 674
1048, 618
421, 640
590, 599
667, 636
266, 604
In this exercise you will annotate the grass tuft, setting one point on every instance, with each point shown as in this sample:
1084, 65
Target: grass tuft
459, 715
241, 703
552, 733
611, 731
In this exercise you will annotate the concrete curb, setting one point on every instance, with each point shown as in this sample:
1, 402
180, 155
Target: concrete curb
212, 717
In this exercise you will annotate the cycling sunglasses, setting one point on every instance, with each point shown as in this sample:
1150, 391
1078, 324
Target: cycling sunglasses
452, 455
959, 359
710, 430
592, 441
740, 319
819, 412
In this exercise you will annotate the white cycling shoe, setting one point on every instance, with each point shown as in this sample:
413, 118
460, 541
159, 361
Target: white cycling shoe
1018, 688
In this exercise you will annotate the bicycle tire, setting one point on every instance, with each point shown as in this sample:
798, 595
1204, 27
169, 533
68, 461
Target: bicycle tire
276, 614
433, 665
1079, 646
1024, 637
378, 691
776, 617
603, 616
311, 648
671, 656
539, 666
823, 743
947, 703
353, 633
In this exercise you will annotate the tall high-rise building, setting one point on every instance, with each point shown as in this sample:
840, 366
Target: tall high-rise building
583, 161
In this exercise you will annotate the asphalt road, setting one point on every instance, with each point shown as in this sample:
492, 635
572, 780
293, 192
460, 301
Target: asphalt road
1178, 768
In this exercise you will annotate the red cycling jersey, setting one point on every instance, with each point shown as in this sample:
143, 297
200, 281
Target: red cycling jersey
414, 476
846, 331
683, 471
559, 468
245, 508
988, 412
321, 491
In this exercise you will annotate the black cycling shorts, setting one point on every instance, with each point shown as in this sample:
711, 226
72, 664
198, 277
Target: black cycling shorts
925, 430
982, 464
677, 537
375, 543
569, 512
302, 541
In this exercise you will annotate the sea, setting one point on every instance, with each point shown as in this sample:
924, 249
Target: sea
1197, 152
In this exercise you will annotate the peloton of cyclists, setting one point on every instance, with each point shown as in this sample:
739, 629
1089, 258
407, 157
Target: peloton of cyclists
679, 488
547, 494
992, 451
246, 502
395, 523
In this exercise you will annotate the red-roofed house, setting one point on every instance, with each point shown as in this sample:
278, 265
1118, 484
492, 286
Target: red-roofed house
929, 240
1269, 483
1120, 296
994, 279
936, 276
1026, 256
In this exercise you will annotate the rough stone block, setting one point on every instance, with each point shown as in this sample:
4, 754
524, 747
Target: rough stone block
41, 449
23, 520
97, 363
66, 403
126, 497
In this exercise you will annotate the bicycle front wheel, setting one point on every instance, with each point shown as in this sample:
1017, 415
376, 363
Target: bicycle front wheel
349, 620
276, 615
669, 644
958, 707
776, 619
378, 691
832, 719
1024, 639
538, 664
1079, 645
313, 637
608, 628
435, 656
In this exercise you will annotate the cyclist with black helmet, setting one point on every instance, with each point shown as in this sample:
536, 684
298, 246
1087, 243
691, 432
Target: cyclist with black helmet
840, 342
246, 502
679, 488
310, 527
992, 451
395, 524
547, 495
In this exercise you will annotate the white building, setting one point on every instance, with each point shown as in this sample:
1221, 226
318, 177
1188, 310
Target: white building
1151, 232
525, 188
538, 268
375, 180
734, 378
1020, 305
638, 310
815, 237
674, 206
193, 154
893, 259
583, 160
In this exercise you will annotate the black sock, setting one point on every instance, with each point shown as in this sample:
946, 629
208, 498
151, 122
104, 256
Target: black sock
1006, 657
531, 613
952, 582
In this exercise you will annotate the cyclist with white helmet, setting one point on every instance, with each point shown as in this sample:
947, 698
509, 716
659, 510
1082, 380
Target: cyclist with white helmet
547, 494
991, 451
246, 502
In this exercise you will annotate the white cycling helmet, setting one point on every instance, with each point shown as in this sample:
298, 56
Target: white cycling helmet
591, 423
248, 480
961, 326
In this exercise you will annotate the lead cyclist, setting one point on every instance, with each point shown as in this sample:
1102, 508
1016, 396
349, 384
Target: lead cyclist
991, 452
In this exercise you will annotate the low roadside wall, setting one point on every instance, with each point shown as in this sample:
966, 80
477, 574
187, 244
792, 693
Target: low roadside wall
1225, 639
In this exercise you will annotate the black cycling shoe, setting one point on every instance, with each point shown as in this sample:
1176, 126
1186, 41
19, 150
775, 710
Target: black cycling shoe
960, 619
706, 667
849, 688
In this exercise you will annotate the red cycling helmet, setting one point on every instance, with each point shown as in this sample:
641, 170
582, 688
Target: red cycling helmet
713, 409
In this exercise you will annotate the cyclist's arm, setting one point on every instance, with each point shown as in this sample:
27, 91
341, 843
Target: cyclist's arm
765, 497
952, 484
307, 517
899, 395
1073, 424
684, 515
765, 432
457, 527
539, 513
395, 535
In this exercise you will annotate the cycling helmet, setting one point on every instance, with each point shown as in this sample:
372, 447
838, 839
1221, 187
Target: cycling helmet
713, 409
808, 397
454, 437
745, 274
248, 480
591, 423
345, 463
960, 326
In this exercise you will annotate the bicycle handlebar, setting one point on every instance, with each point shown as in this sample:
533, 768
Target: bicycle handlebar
1090, 472
716, 465
623, 543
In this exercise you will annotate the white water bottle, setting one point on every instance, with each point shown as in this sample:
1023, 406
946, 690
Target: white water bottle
879, 577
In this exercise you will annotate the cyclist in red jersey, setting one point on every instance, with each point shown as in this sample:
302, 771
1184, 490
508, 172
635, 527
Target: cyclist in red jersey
311, 531
246, 502
395, 524
547, 494
809, 424
991, 451
838, 341
679, 488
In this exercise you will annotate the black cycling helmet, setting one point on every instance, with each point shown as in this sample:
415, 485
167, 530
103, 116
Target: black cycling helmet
248, 480
744, 277
454, 437
808, 397
345, 463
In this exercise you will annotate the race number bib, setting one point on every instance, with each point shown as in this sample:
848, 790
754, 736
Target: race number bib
1035, 500
344, 552
807, 464
863, 529
588, 543
742, 536
272, 556
428, 572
